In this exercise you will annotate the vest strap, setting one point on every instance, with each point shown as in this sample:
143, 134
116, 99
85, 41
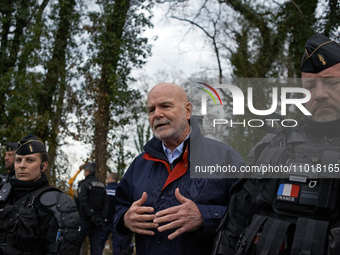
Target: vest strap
250, 234
272, 238
310, 237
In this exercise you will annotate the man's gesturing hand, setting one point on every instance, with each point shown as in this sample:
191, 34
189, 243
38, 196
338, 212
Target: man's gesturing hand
185, 217
139, 218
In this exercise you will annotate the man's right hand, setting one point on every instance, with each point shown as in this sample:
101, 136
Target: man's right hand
139, 218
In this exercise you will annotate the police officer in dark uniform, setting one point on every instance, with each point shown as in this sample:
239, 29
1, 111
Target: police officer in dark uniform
298, 211
112, 183
9, 162
92, 202
11, 147
121, 244
36, 219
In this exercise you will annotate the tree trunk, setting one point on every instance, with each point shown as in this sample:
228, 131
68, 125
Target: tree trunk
115, 23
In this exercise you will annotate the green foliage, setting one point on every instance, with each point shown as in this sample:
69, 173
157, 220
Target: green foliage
261, 39
115, 47
35, 67
279, 32
41, 54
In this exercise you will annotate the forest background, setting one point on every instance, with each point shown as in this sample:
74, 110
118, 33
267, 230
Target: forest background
69, 68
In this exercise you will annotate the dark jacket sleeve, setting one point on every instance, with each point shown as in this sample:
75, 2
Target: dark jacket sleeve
59, 224
217, 153
105, 207
48, 225
83, 194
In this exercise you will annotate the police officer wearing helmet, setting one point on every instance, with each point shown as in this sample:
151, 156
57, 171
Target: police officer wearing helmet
297, 212
35, 218
93, 205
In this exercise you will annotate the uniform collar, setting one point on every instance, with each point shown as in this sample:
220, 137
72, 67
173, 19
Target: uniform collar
328, 129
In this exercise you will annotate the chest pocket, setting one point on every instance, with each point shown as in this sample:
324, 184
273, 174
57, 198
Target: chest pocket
19, 225
315, 198
7, 218
312, 186
266, 187
26, 230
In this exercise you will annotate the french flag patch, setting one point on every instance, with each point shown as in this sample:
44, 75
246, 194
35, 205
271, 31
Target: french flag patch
288, 192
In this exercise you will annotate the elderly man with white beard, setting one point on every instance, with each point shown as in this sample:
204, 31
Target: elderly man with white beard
170, 212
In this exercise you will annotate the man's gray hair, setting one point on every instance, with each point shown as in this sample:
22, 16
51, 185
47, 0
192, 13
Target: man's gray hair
114, 176
91, 167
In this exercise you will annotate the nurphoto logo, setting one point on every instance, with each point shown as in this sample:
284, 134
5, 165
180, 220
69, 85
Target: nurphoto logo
239, 105
258, 98
213, 90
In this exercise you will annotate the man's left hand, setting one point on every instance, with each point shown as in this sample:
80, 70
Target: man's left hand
185, 217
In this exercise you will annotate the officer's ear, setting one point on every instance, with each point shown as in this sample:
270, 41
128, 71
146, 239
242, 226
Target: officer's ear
43, 166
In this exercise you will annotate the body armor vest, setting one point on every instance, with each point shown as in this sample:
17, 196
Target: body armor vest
20, 228
293, 212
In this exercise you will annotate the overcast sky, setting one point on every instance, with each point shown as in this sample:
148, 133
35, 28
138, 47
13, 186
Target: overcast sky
179, 47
